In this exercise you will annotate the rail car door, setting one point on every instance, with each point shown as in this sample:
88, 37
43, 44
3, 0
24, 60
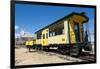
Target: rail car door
77, 32
45, 38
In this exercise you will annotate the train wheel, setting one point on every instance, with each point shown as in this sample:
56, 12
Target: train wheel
75, 51
33, 47
62, 49
37, 47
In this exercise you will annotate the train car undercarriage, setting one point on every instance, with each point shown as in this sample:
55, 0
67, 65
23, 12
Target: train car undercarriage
74, 49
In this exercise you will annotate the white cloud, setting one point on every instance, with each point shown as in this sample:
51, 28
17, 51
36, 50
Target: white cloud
17, 35
16, 27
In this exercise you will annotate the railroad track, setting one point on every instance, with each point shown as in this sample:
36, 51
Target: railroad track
87, 57
83, 57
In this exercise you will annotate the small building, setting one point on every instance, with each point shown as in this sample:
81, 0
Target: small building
24, 36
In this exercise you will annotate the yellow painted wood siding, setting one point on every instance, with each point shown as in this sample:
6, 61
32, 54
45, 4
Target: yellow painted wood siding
59, 39
66, 33
44, 41
30, 43
38, 41
72, 34
26, 43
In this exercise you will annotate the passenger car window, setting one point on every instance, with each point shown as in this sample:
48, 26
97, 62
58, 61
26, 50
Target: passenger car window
43, 36
46, 35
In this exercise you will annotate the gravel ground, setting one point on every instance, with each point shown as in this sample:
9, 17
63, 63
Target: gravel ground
23, 57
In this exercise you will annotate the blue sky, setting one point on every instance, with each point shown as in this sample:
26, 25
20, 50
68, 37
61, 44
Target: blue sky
34, 17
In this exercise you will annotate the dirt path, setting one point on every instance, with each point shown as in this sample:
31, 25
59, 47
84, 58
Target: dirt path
23, 57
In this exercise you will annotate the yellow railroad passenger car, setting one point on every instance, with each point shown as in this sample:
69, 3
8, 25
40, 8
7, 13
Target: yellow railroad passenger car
66, 34
30, 43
